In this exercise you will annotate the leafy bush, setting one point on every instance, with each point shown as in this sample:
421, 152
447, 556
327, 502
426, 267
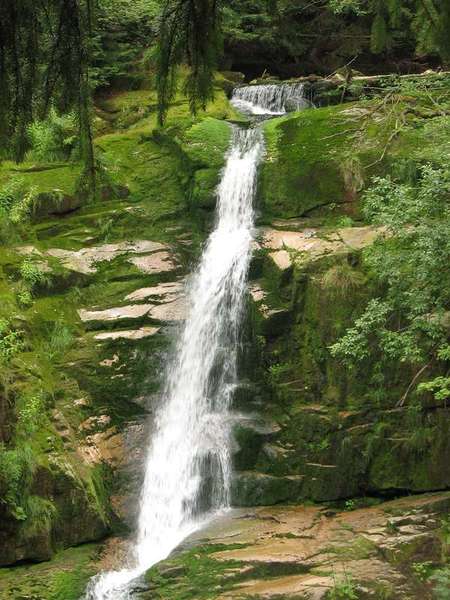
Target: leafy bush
24, 298
30, 413
16, 202
54, 138
422, 570
406, 324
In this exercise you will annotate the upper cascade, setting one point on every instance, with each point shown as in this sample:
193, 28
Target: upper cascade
271, 99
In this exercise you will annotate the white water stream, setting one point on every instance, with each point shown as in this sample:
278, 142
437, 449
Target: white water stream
188, 467
270, 100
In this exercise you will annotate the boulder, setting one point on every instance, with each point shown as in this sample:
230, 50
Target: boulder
54, 202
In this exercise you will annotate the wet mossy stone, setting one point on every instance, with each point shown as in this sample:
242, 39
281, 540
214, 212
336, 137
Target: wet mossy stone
203, 190
301, 170
205, 144
250, 488
250, 435
54, 202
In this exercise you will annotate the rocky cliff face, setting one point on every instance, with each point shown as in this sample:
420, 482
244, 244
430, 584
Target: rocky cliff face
104, 312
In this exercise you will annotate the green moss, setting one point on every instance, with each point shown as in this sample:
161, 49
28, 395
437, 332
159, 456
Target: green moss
206, 142
325, 157
43, 177
302, 168
360, 548
193, 575
65, 578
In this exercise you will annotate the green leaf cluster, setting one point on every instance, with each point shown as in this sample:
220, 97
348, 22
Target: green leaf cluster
409, 322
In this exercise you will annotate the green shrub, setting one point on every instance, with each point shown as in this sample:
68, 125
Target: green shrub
15, 206
30, 413
33, 274
10, 192
406, 325
24, 298
422, 570
54, 138
344, 589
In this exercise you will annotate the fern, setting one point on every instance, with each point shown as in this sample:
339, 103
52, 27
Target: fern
54, 138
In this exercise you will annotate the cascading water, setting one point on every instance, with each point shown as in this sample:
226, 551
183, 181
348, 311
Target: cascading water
272, 99
188, 465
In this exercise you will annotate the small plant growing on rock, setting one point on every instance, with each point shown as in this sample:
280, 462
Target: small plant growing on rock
344, 589
422, 570
61, 339
350, 505
30, 413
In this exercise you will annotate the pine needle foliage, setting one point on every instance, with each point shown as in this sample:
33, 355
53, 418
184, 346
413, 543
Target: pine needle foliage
45, 51
189, 33
427, 21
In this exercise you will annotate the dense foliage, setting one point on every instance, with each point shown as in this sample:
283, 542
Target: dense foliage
44, 60
409, 323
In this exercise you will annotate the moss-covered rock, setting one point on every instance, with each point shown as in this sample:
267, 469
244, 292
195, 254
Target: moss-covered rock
65, 578
338, 436
293, 552
54, 202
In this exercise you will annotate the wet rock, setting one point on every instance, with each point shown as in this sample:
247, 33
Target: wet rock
128, 334
163, 292
83, 261
294, 552
171, 311
160, 262
132, 312
287, 246
258, 489
103, 447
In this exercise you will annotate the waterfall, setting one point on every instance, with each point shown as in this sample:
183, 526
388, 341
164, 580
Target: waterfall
188, 466
275, 99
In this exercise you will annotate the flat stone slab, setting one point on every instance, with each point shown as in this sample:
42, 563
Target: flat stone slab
132, 311
165, 292
171, 311
314, 243
129, 334
160, 262
83, 261
303, 551
256, 292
